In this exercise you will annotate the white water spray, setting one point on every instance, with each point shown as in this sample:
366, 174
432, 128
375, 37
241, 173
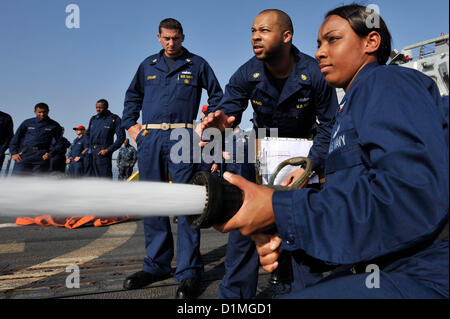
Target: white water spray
31, 196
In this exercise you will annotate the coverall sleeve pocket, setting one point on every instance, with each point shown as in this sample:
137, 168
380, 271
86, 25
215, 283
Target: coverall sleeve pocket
344, 158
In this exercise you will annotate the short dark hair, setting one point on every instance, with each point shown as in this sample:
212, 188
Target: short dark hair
104, 102
357, 16
283, 18
171, 24
41, 106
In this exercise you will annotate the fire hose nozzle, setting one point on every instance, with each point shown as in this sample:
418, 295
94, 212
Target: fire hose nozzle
224, 199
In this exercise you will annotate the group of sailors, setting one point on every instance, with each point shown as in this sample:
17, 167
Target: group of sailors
39, 146
383, 150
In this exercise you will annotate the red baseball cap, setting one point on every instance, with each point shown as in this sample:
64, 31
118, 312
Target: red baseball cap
79, 127
204, 108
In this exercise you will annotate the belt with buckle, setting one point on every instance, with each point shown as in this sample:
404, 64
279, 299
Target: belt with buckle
166, 126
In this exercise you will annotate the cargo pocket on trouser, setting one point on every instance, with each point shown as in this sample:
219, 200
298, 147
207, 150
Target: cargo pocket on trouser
148, 155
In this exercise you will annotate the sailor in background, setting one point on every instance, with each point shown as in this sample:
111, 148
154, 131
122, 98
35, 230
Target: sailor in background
384, 208
58, 162
126, 160
77, 157
100, 134
238, 162
6, 134
30, 146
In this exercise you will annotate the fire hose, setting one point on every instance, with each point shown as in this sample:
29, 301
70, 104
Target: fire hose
225, 199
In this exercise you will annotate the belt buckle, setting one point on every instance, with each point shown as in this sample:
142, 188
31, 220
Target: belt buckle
165, 126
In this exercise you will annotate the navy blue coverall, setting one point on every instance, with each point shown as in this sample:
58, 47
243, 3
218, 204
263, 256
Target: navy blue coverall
33, 139
100, 134
305, 96
386, 193
168, 96
6, 134
78, 169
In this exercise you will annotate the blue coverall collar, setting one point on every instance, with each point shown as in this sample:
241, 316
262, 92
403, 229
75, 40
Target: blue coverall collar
160, 64
361, 74
46, 119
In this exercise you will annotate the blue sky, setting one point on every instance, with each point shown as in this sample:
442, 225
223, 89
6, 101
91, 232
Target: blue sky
41, 60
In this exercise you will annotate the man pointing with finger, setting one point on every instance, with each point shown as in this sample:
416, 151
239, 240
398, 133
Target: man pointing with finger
287, 92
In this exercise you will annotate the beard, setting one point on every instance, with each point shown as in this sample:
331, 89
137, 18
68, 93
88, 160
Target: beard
273, 54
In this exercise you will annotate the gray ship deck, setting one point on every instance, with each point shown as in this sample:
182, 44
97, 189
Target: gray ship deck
33, 261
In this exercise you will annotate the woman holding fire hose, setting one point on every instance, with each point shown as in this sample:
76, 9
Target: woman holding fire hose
385, 201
